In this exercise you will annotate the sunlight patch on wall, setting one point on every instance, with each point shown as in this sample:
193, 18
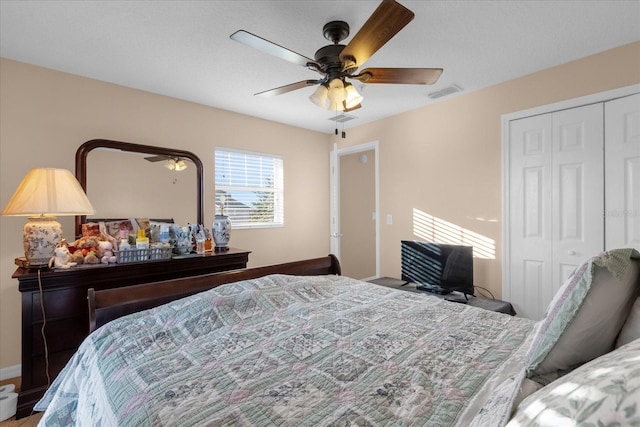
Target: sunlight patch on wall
436, 230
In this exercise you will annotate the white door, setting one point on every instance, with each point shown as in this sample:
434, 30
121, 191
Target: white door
622, 165
577, 190
555, 202
530, 147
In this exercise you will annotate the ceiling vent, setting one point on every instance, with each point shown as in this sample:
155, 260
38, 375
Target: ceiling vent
444, 92
342, 118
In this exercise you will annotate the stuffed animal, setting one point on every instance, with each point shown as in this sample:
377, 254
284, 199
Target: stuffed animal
91, 258
77, 257
62, 258
105, 249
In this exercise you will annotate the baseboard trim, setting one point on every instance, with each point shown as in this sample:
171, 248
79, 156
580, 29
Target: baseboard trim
10, 372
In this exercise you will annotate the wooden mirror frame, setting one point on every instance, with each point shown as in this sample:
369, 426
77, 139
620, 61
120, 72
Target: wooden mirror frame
81, 168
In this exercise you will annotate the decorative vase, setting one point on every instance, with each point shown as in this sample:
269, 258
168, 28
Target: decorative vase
221, 230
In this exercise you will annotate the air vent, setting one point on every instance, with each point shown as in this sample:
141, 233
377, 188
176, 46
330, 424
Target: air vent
444, 92
342, 118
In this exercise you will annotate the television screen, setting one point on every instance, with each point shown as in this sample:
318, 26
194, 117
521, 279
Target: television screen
436, 267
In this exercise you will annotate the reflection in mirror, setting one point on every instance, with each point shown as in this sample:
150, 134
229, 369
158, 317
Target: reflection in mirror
125, 180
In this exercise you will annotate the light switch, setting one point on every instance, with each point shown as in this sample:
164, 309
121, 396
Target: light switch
389, 219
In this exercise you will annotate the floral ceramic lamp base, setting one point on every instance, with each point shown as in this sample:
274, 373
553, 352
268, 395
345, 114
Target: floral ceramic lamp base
41, 235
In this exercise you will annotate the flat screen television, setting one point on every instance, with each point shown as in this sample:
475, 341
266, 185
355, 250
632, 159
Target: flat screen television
436, 267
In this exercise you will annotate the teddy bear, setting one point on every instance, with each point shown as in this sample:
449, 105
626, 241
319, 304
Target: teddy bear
77, 257
62, 258
91, 258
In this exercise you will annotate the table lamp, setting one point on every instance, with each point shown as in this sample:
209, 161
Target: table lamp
43, 194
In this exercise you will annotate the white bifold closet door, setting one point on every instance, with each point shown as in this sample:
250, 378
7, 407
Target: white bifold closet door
622, 166
556, 201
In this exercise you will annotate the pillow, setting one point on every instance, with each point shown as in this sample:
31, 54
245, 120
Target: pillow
603, 392
631, 329
585, 316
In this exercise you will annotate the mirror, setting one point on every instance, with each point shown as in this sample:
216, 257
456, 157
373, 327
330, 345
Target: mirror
126, 180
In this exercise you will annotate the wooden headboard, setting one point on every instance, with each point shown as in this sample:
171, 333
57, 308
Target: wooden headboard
110, 304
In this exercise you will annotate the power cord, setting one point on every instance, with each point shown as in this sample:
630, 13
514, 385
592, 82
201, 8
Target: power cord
44, 337
484, 289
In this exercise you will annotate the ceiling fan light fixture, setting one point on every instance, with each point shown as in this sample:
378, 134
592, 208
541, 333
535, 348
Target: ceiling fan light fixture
336, 106
353, 97
171, 164
176, 164
319, 97
337, 92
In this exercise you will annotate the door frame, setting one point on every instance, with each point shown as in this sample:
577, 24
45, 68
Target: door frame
334, 174
605, 96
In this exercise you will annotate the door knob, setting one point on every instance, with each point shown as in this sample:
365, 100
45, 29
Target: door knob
571, 252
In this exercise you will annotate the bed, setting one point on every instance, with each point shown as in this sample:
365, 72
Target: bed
321, 349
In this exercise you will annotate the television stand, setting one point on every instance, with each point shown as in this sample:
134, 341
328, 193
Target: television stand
478, 301
432, 289
462, 299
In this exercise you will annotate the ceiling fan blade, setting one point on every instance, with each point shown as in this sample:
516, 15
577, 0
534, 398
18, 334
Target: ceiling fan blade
386, 21
157, 158
271, 48
410, 76
287, 88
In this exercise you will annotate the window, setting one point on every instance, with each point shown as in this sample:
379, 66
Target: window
251, 186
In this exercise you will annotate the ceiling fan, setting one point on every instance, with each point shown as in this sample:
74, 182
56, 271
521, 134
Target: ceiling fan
172, 163
337, 62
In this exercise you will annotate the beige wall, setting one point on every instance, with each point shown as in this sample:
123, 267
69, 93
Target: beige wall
45, 115
444, 160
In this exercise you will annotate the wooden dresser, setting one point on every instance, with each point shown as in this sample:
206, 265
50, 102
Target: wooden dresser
65, 307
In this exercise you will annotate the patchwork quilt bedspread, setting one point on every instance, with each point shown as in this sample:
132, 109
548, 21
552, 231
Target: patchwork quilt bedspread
290, 351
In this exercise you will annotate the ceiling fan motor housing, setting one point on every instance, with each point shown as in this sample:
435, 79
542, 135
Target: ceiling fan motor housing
329, 56
329, 59
335, 31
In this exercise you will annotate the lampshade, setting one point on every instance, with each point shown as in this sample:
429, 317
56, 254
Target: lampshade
48, 191
171, 164
341, 96
319, 97
43, 194
336, 106
337, 92
353, 97
176, 164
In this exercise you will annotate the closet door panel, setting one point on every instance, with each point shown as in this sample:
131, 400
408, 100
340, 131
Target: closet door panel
622, 163
577, 189
529, 212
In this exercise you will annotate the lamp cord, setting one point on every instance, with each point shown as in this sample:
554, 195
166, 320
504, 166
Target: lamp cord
44, 337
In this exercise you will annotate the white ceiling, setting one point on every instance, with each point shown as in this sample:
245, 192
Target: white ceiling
182, 48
